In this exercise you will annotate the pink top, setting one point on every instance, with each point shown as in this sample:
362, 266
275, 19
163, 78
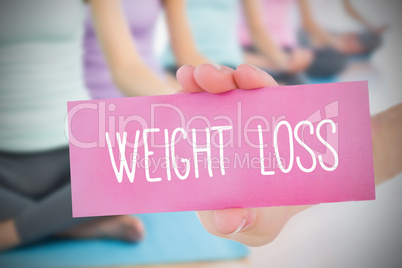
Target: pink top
276, 15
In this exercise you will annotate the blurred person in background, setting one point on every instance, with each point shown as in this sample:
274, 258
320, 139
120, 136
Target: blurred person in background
363, 40
141, 17
276, 18
41, 69
322, 53
214, 28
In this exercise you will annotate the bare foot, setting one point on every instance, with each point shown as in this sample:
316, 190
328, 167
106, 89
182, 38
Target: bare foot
386, 130
126, 228
9, 235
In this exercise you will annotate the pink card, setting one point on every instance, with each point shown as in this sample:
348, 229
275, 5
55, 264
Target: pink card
266, 147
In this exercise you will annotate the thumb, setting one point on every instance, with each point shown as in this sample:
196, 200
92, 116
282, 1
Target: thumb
251, 226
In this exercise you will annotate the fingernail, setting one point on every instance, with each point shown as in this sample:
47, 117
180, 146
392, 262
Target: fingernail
255, 68
216, 66
241, 226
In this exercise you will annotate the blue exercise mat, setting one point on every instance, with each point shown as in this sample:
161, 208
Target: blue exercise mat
170, 238
322, 80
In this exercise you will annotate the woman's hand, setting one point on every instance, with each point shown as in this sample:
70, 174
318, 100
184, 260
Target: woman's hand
299, 60
218, 78
347, 43
251, 226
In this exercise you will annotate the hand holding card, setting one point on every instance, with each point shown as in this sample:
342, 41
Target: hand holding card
238, 224
250, 226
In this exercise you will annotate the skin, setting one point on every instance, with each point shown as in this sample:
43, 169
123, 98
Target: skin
9, 235
387, 143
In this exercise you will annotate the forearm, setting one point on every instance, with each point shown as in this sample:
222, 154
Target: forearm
355, 15
318, 34
181, 39
386, 129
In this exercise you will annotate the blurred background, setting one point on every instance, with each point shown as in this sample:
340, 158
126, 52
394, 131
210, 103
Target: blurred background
381, 68
340, 44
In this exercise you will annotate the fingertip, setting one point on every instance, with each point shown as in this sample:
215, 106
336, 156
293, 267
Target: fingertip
184, 70
185, 77
249, 77
214, 78
232, 221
